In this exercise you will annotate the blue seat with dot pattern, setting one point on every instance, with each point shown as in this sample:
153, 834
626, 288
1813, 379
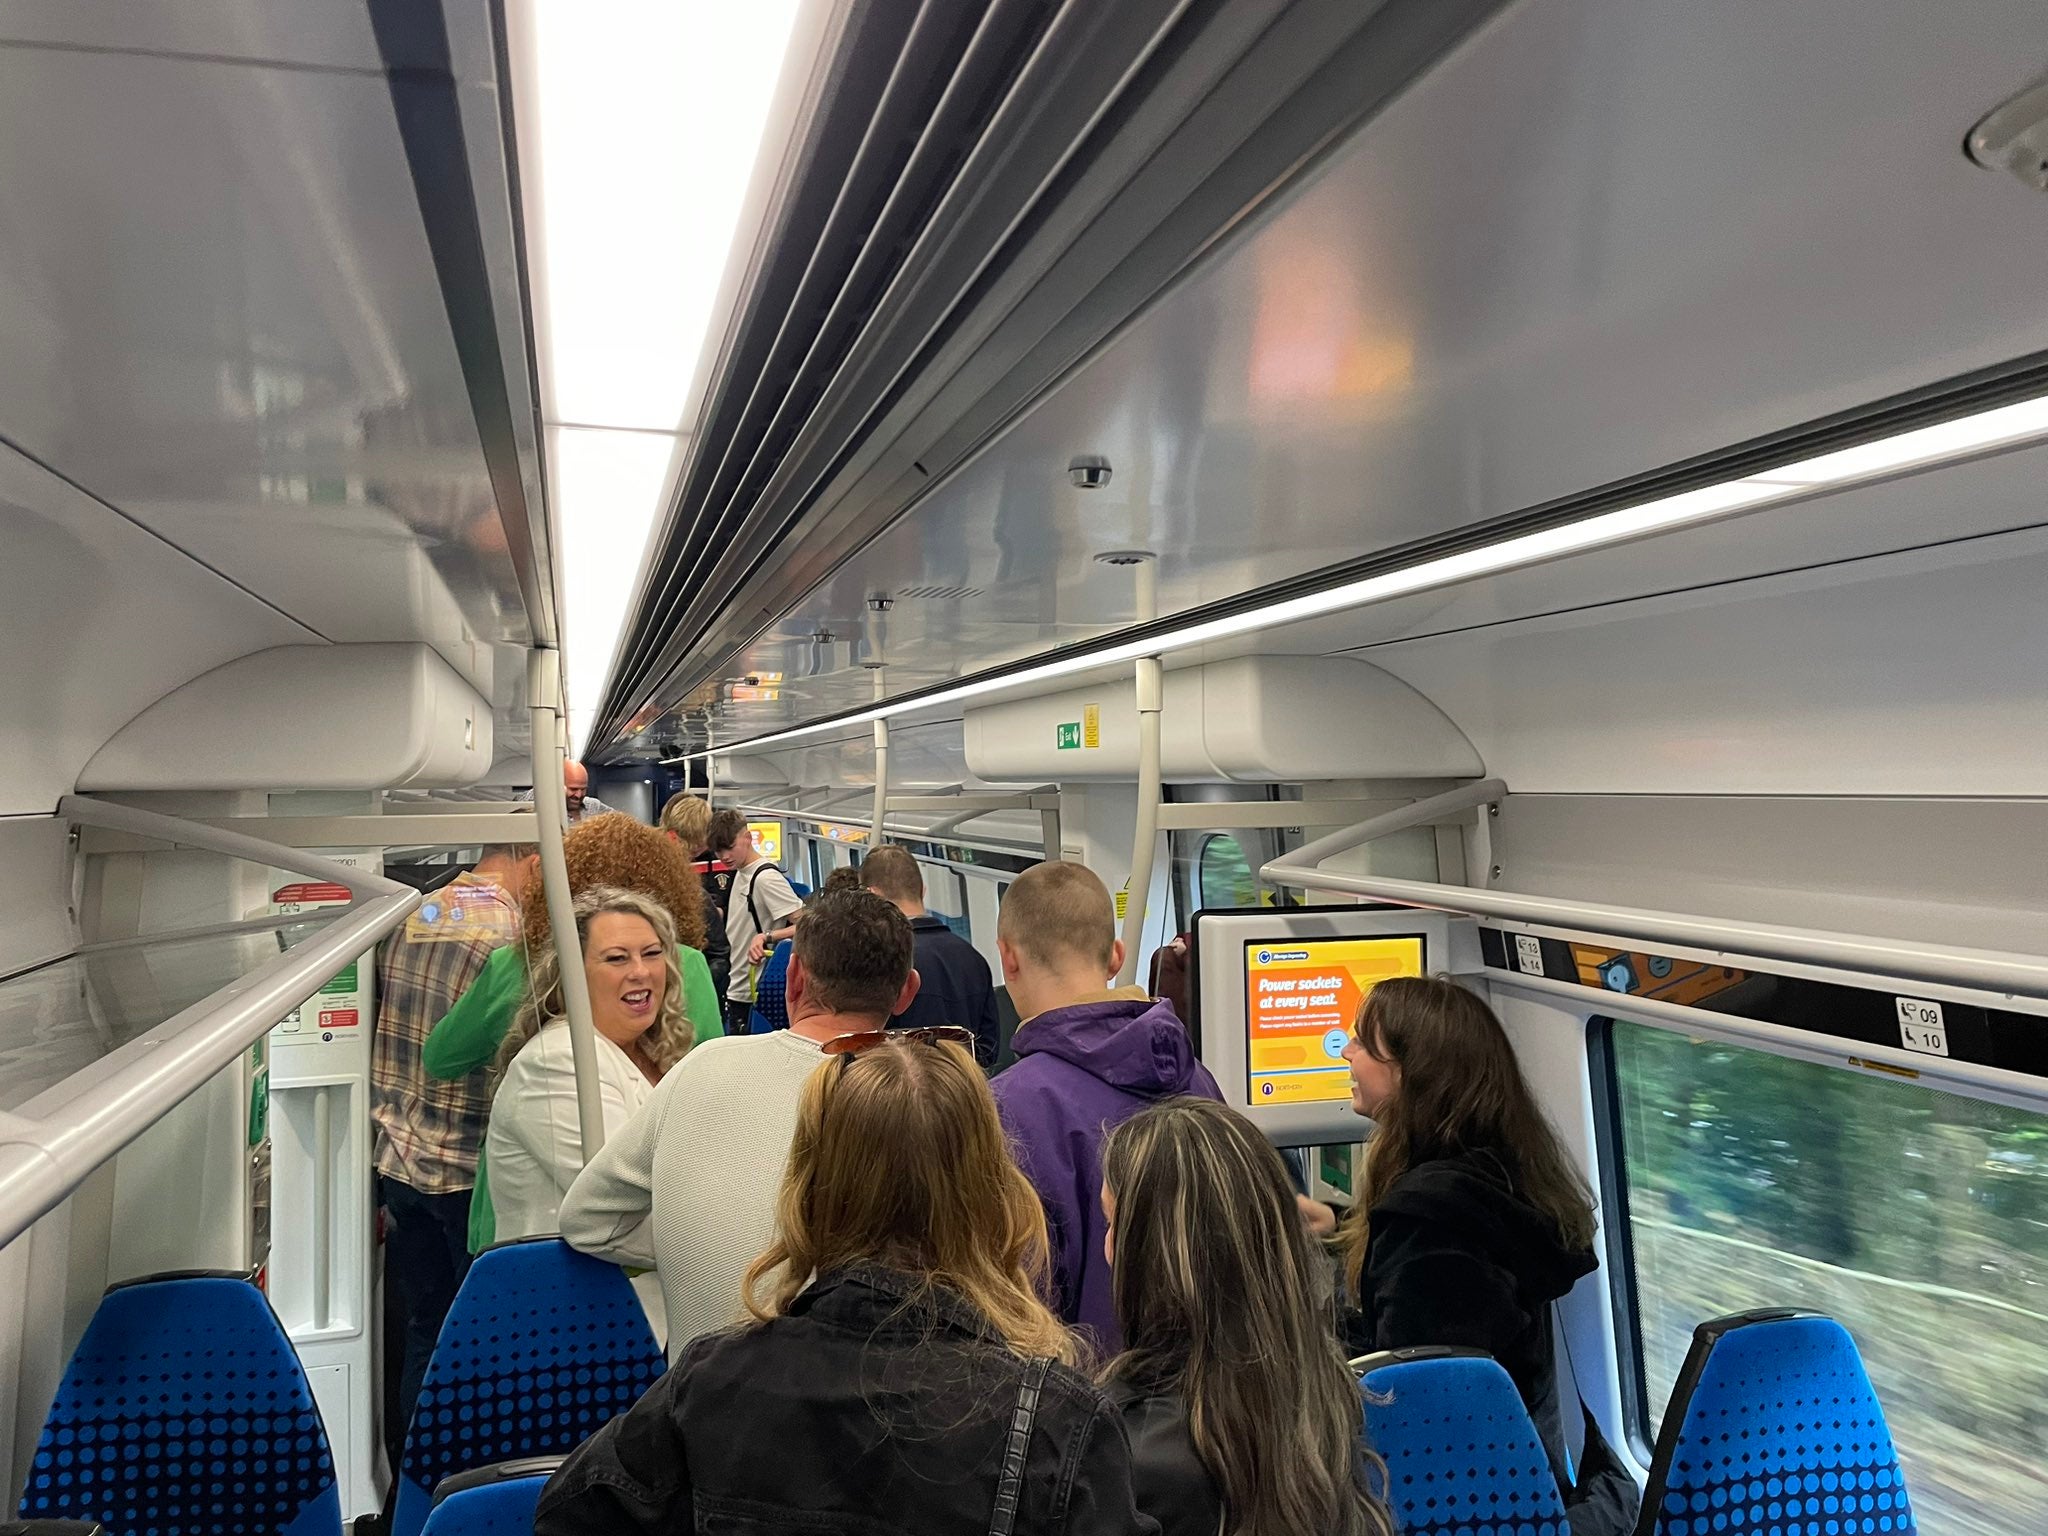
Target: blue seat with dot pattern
185, 1412
1463, 1457
771, 993
497, 1500
1773, 1430
542, 1346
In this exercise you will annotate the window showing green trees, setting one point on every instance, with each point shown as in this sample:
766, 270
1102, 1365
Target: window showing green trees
1917, 1218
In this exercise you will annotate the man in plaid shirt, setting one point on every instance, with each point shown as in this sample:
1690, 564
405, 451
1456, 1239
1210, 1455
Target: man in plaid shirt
428, 1132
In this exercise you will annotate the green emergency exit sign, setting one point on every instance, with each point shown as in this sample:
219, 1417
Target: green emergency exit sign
1069, 735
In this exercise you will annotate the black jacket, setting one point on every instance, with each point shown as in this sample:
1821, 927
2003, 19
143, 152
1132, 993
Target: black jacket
954, 987
716, 876
854, 1415
1174, 1484
1456, 1256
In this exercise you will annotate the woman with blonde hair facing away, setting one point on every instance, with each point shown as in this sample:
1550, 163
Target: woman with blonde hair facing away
610, 851
1243, 1417
535, 1142
901, 1372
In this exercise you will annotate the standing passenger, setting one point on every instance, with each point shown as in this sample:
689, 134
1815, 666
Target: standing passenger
1471, 1220
429, 1133
901, 1373
759, 908
651, 1197
686, 822
1242, 1414
954, 984
1088, 1058
605, 851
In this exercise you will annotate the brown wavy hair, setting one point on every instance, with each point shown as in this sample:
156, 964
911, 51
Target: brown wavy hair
1224, 1297
627, 855
1461, 1091
665, 1041
899, 1161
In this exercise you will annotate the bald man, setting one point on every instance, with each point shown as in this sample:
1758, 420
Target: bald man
579, 802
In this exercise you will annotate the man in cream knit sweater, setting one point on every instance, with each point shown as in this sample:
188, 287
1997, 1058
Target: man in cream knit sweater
652, 1196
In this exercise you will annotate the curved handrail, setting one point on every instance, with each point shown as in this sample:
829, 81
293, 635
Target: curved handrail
50, 1145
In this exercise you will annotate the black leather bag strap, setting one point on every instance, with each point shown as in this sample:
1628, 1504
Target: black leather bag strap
1011, 1489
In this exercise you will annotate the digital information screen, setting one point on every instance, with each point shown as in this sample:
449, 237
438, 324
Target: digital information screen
1301, 1000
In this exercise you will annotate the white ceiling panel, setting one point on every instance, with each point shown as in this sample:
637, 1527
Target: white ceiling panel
310, 33
1603, 237
98, 619
222, 317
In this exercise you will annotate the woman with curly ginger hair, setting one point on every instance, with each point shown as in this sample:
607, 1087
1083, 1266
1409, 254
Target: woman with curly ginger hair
613, 851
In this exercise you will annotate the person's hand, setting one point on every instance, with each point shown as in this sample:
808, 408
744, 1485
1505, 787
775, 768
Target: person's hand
1319, 1218
757, 949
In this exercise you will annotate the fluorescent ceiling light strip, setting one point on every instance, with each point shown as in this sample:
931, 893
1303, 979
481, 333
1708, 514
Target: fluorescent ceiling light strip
1921, 448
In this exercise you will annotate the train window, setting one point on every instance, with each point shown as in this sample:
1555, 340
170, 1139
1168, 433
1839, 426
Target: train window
1917, 1218
1223, 875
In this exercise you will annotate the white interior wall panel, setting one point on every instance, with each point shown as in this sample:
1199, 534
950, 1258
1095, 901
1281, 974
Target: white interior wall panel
1602, 237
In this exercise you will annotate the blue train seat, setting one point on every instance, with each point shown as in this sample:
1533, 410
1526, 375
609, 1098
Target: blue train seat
542, 1346
185, 1411
1773, 1425
497, 1500
771, 992
1463, 1457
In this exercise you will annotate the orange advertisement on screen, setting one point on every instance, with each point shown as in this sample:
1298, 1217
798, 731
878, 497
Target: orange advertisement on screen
1301, 999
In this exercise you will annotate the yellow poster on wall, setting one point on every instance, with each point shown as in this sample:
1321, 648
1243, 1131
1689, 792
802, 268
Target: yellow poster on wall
767, 838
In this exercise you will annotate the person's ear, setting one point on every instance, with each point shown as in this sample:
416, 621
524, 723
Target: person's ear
796, 986
909, 993
1116, 957
1006, 953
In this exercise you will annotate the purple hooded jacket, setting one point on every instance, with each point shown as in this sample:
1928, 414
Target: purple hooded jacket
1080, 1071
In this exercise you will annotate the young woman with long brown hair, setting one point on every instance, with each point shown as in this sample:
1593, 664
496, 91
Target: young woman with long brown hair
1471, 1219
1243, 1418
901, 1371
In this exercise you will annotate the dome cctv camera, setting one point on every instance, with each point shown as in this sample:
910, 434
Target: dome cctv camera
1089, 472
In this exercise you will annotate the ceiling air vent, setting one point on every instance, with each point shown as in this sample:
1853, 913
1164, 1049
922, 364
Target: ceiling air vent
941, 594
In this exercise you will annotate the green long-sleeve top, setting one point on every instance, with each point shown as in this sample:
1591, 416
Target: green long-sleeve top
469, 1034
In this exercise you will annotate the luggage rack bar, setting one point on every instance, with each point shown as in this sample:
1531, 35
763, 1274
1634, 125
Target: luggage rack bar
51, 1144
2006, 973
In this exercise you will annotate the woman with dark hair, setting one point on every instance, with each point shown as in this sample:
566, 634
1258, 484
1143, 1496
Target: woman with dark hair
1471, 1220
901, 1372
1243, 1418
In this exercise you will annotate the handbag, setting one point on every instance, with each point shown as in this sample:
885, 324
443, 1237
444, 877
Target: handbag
1009, 1492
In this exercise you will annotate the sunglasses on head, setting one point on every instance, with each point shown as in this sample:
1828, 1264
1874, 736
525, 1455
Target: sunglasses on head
851, 1045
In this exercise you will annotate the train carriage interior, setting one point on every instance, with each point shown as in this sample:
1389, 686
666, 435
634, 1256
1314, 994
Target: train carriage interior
1556, 484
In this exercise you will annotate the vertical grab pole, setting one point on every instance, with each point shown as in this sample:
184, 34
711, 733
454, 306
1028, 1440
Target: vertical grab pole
323, 1206
543, 695
881, 781
1147, 836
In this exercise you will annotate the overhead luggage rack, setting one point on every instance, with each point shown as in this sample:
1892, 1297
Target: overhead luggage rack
81, 1116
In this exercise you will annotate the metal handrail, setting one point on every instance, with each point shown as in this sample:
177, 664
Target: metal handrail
1983, 970
53, 1143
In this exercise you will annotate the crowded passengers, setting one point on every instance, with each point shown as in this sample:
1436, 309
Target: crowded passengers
899, 1293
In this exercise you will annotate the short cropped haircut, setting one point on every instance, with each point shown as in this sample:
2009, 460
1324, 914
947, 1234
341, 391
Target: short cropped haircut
1056, 913
689, 818
892, 872
727, 827
856, 951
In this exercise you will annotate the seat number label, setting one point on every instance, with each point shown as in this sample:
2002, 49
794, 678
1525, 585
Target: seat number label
1529, 954
1921, 1027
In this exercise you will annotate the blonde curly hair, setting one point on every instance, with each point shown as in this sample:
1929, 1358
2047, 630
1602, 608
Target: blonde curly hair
627, 855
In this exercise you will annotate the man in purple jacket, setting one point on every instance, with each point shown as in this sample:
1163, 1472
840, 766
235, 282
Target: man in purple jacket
1088, 1058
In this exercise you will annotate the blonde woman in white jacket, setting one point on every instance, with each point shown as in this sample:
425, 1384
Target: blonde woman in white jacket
535, 1143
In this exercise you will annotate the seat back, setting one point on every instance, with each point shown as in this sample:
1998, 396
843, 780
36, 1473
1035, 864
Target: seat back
771, 991
184, 1409
1772, 1424
1462, 1454
542, 1346
497, 1500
